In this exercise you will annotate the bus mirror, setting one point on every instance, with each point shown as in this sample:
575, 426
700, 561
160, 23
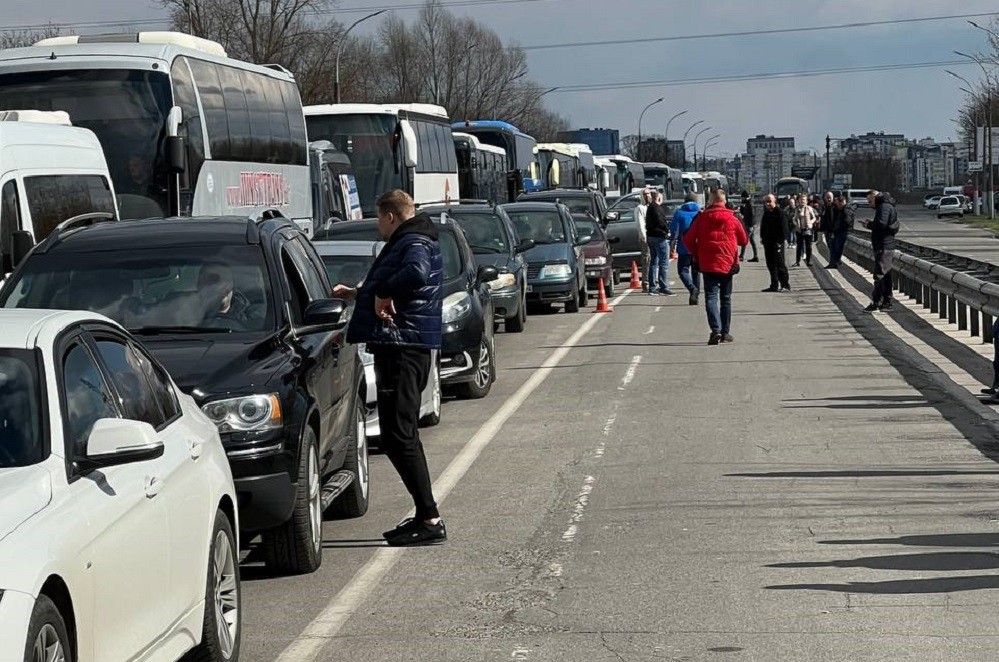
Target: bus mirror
173, 120
409, 143
175, 153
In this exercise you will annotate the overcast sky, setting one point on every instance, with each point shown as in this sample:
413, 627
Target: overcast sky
916, 102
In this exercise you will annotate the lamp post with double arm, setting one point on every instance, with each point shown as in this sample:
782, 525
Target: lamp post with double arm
339, 51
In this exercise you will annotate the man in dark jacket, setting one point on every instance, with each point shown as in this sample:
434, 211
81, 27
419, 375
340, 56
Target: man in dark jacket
773, 229
398, 316
657, 234
749, 222
883, 229
826, 210
839, 228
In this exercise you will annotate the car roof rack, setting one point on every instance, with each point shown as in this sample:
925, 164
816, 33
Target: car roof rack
75, 223
461, 201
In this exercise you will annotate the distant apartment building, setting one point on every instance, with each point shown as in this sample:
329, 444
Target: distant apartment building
767, 159
601, 141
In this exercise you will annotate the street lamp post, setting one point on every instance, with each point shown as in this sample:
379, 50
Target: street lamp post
339, 51
704, 154
987, 138
699, 134
666, 133
638, 147
685, 134
975, 101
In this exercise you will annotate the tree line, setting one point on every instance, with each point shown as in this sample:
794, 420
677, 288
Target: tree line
438, 57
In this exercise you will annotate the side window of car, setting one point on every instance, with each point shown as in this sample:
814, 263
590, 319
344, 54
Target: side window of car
315, 285
160, 383
138, 402
10, 220
296, 284
87, 398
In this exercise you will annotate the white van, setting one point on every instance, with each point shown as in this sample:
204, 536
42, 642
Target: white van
50, 171
953, 190
856, 197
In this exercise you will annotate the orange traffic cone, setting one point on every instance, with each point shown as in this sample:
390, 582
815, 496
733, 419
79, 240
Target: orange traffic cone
636, 280
602, 306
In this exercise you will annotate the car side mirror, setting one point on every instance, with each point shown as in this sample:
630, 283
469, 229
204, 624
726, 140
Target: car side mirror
486, 273
175, 154
611, 216
582, 241
526, 245
613, 240
21, 243
116, 441
321, 316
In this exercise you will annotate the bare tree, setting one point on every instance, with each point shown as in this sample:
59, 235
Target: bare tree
875, 170
26, 37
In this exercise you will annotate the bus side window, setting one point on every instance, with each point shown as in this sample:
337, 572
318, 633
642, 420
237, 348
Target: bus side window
10, 220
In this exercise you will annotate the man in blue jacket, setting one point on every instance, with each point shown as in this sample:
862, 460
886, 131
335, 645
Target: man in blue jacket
685, 266
398, 316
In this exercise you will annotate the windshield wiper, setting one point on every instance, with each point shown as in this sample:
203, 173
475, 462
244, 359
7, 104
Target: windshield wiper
543, 241
179, 330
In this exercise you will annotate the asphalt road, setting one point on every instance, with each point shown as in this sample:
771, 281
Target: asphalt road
628, 493
921, 226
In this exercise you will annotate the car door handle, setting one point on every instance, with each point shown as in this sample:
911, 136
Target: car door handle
196, 448
153, 486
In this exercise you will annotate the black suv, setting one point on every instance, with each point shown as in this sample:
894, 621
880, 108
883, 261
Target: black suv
238, 311
579, 201
494, 242
468, 348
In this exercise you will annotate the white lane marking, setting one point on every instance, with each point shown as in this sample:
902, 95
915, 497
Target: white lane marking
582, 500
328, 623
630, 374
520, 654
610, 422
658, 308
555, 570
652, 329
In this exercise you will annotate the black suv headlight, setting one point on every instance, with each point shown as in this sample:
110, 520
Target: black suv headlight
248, 413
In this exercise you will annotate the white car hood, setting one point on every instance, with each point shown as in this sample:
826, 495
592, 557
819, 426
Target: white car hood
24, 491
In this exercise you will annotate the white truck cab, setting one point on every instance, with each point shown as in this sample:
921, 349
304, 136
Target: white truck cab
50, 171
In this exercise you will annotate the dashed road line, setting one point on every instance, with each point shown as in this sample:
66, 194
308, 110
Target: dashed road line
578, 508
652, 329
630, 374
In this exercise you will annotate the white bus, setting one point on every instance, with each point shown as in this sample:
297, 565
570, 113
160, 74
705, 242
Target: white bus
185, 129
693, 183
405, 146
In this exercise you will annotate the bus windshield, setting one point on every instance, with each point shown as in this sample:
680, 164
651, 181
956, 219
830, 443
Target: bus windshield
655, 177
369, 141
125, 108
791, 187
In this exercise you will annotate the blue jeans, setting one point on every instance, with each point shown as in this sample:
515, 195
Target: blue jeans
718, 286
658, 264
687, 270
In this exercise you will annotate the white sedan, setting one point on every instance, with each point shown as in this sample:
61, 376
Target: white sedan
117, 508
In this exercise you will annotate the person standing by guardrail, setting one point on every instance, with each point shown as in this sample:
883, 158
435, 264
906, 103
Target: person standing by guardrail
826, 211
714, 240
841, 224
772, 235
883, 229
805, 224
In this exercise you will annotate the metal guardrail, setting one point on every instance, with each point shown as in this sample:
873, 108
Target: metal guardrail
961, 290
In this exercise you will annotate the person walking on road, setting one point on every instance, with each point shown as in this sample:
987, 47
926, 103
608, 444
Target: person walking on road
772, 235
883, 229
714, 239
749, 221
657, 233
788, 210
686, 268
398, 317
805, 225
643, 244
842, 223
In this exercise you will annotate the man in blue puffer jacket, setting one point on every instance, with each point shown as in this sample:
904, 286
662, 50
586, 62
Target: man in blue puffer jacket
398, 316
685, 266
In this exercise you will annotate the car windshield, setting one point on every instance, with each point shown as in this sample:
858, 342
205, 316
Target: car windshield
347, 269
184, 289
578, 205
20, 409
484, 232
585, 226
544, 227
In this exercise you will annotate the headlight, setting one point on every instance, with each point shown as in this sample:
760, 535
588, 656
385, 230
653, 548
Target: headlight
556, 271
456, 305
247, 413
598, 261
504, 280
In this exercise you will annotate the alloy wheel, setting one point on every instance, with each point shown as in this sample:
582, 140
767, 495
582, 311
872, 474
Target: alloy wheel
226, 595
315, 500
484, 373
437, 395
48, 647
362, 455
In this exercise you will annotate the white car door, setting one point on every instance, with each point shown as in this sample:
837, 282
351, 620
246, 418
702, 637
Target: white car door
183, 492
128, 540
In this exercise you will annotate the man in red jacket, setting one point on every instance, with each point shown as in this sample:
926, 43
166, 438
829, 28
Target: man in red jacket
714, 241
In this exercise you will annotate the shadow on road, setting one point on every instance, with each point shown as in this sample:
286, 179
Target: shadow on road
933, 540
863, 473
903, 586
938, 561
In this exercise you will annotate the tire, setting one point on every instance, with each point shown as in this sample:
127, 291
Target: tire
223, 599
48, 637
434, 417
584, 296
354, 501
296, 547
609, 289
485, 375
572, 305
515, 324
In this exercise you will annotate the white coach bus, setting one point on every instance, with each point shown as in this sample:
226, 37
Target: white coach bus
405, 146
185, 129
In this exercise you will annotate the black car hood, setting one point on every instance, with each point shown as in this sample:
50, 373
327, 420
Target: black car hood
211, 366
548, 253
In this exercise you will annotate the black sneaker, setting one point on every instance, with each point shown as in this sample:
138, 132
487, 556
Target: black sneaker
770, 289
786, 288
727, 338
668, 293
404, 526
694, 296
873, 308
990, 391
887, 308
714, 338
755, 259
421, 534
